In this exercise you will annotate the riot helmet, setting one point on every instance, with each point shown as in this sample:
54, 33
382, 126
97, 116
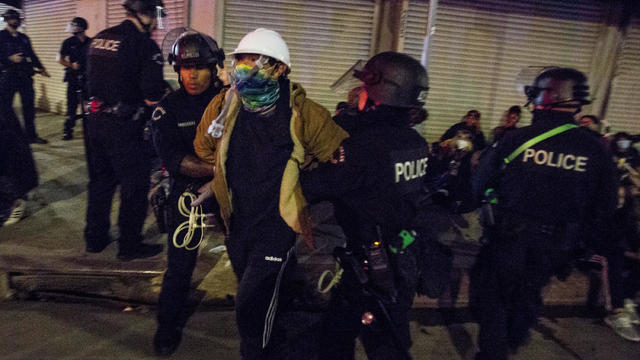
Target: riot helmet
562, 89
12, 14
192, 49
77, 25
150, 8
395, 79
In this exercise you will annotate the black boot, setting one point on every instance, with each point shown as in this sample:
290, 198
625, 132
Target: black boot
166, 343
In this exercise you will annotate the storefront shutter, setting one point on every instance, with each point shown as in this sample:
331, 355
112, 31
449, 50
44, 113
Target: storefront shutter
176, 10
325, 38
623, 109
45, 24
479, 48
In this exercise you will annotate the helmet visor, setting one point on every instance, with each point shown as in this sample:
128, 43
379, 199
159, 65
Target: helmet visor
349, 79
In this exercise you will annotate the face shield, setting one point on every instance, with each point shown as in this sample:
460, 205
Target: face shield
73, 28
160, 15
12, 18
348, 80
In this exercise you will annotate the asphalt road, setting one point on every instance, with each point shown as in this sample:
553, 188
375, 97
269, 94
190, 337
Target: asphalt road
55, 330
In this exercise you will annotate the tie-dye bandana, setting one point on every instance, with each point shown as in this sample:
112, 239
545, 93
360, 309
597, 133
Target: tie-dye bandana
259, 90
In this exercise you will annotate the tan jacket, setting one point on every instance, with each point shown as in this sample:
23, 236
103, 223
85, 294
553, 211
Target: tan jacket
314, 135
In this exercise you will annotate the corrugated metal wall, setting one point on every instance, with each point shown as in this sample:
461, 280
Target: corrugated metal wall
325, 38
46, 22
479, 48
623, 109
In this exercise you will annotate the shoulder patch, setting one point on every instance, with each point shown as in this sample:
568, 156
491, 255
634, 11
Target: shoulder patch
158, 113
157, 58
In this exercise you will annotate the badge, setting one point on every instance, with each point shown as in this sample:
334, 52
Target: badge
158, 113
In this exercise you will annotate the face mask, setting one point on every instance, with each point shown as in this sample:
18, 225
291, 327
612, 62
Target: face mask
259, 90
624, 144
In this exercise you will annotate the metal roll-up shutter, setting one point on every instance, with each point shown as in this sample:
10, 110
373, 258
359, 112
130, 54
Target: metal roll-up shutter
45, 24
623, 107
176, 10
325, 38
479, 48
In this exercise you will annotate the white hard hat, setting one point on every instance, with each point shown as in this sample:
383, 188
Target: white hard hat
264, 42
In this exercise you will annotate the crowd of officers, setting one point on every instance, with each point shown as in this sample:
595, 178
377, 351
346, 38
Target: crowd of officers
257, 151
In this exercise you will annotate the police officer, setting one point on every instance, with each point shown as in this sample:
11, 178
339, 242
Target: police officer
73, 56
18, 63
124, 71
375, 180
195, 57
554, 183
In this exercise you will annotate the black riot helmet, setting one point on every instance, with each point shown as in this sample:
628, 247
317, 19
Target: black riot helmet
77, 25
11, 14
558, 88
192, 49
395, 79
150, 8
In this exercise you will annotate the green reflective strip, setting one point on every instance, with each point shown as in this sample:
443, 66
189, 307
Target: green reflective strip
537, 139
407, 239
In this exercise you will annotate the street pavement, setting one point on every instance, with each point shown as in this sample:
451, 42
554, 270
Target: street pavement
51, 330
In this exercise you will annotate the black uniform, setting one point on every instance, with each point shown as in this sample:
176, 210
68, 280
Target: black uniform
76, 50
124, 67
17, 77
375, 181
548, 196
174, 127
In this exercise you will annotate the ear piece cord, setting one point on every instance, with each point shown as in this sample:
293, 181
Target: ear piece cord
196, 220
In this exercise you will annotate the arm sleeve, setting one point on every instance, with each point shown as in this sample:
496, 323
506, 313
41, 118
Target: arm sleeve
487, 172
204, 144
64, 49
34, 58
151, 78
322, 135
333, 178
451, 132
165, 139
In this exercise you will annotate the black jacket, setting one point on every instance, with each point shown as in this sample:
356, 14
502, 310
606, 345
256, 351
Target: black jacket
567, 178
125, 65
10, 45
173, 125
375, 178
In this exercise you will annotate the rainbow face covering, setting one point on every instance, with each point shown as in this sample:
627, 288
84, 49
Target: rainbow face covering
258, 90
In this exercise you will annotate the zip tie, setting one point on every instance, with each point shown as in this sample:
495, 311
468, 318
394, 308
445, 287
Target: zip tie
196, 220
334, 280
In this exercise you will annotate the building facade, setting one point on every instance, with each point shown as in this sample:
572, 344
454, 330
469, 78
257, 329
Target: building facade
475, 52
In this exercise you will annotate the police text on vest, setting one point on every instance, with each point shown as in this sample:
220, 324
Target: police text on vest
409, 170
557, 160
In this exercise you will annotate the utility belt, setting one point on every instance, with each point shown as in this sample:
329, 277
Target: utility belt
121, 110
415, 256
560, 236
